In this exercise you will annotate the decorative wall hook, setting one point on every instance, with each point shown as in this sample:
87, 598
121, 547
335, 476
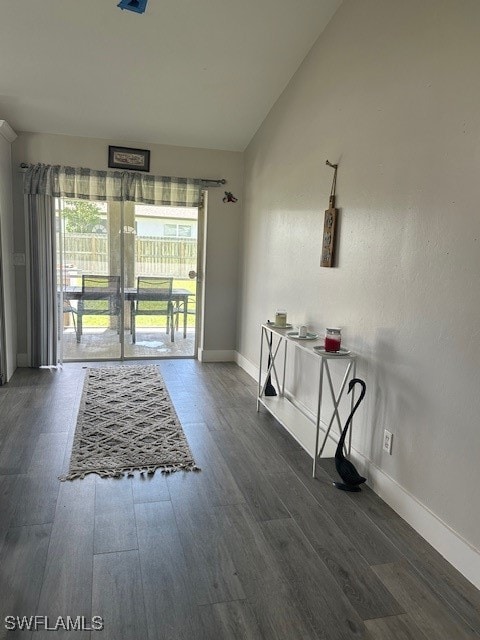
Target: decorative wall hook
334, 182
229, 197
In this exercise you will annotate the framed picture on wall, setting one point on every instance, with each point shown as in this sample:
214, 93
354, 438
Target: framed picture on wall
126, 158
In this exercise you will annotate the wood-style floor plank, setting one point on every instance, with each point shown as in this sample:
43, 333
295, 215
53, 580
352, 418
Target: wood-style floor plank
40, 485
39, 498
11, 495
3, 535
252, 556
366, 537
455, 590
22, 562
252, 482
232, 620
212, 571
117, 595
114, 516
49, 453
215, 484
67, 581
58, 415
229, 386
18, 446
365, 592
393, 628
320, 597
171, 610
422, 604
272, 598
253, 440
278, 438
280, 615
150, 488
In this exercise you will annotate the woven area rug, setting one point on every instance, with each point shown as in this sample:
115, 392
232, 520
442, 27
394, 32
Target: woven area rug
127, 422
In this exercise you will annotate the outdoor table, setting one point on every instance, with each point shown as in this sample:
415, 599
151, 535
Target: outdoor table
178, 296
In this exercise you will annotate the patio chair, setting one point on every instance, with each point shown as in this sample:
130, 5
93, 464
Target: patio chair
179, 310
69, 308
100, 297
153, 298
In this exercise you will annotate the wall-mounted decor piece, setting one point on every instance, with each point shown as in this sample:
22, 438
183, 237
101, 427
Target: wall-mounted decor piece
329, 225
126, 158
229, 197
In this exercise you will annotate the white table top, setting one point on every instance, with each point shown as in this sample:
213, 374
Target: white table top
307, 345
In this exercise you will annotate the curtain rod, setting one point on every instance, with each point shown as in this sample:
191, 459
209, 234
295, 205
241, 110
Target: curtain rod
207, 182
213, 183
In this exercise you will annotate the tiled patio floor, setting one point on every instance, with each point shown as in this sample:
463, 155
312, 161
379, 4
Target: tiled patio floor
104, 344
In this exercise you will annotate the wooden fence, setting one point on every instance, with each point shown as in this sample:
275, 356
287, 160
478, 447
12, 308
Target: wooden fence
88, 253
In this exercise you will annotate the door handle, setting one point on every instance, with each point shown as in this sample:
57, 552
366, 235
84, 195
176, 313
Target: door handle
192, 274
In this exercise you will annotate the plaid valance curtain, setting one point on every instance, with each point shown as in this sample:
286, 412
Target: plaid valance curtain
115, 186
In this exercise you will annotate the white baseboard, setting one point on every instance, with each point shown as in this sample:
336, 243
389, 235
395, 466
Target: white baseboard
452, 546
219, 355
22, 360
246, 365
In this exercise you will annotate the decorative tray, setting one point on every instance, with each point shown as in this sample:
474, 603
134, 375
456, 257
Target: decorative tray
338, 354
309, 336
278, 326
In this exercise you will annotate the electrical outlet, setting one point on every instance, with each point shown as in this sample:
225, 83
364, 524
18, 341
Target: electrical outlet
387, 441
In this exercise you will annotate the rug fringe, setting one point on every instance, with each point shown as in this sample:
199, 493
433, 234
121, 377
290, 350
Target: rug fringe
129, 471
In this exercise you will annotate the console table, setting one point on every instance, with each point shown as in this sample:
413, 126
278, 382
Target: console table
307, 429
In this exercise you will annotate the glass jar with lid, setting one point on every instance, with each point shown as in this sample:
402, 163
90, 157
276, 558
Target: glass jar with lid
333, 339
281, 318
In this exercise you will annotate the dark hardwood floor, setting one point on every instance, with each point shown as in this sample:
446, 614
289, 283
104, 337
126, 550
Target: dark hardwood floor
251, 547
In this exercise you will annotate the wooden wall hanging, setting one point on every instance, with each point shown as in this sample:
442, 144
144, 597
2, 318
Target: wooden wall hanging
329, 225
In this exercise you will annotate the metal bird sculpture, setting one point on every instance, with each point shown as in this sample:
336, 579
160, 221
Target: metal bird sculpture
269, 388
350, 476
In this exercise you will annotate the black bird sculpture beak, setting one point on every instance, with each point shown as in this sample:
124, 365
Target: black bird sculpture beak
346, 470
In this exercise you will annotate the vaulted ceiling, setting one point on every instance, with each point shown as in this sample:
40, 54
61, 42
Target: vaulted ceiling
199, 73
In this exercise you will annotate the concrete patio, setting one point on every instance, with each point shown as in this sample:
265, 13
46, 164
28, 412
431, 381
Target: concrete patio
100, 343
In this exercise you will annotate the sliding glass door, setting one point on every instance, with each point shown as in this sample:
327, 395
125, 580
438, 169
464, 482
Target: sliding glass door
160, 249
89, 268
128, 280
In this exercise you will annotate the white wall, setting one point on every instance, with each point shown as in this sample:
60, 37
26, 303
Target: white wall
223, 220
6, 251
391, 92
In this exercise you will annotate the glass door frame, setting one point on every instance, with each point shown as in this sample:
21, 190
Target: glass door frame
201, 270
3, 341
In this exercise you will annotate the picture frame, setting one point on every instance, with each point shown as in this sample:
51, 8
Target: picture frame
127, 158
